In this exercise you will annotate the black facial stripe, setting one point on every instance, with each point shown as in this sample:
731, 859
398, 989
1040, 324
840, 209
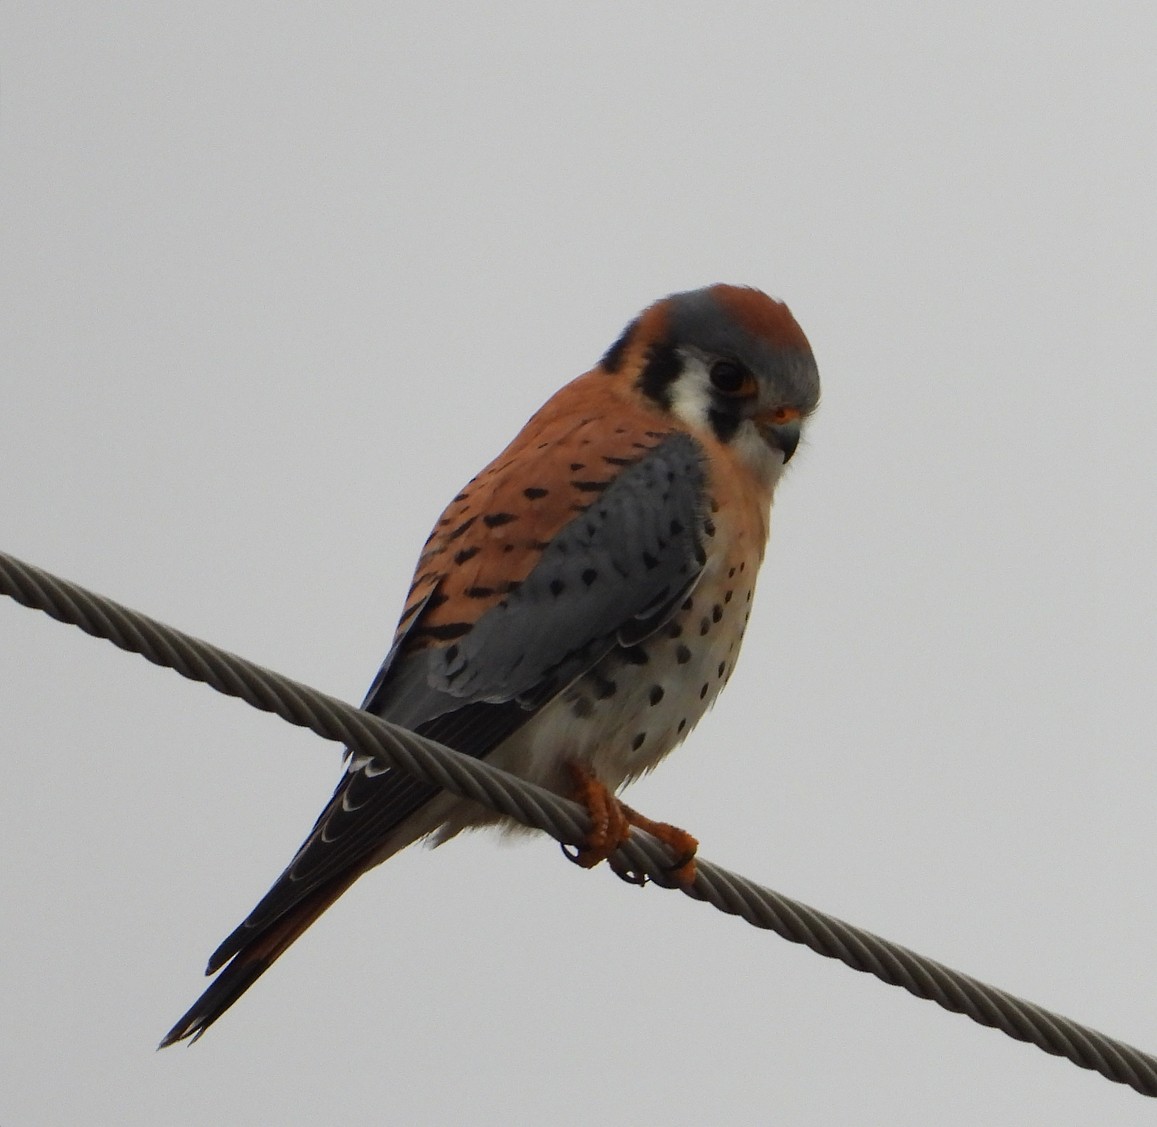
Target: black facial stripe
613, 357
662, 370
724, 422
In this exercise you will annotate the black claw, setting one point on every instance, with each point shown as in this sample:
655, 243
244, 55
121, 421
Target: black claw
573, 858
627, 874
620, 868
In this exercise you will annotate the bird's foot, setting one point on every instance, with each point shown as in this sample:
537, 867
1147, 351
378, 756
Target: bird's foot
609, 825
680, 842
611, 822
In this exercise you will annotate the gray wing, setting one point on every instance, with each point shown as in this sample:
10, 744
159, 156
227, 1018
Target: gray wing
612, 576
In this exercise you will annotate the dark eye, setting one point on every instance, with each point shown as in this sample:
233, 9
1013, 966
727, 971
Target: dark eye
731, 379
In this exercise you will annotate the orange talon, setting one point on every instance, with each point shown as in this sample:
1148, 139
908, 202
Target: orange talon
682, 869
611, 822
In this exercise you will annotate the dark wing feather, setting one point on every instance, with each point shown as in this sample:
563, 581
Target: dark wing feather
612, 575
616, 569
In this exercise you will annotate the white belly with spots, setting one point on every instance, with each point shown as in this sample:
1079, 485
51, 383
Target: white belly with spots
623, 716
637, 704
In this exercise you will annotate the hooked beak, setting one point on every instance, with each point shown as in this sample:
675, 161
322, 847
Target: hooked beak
780, 429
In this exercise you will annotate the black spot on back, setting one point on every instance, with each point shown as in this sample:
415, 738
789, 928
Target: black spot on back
462, 528
446, 631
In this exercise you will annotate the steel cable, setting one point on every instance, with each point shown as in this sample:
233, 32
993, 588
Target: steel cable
567, 822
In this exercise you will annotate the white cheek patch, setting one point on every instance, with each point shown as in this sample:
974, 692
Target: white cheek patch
765, 461
690, 397
691, 402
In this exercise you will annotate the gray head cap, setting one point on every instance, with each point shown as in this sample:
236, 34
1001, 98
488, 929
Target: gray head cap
745, 325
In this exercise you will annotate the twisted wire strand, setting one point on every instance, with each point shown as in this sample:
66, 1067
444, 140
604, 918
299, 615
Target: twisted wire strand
567, 822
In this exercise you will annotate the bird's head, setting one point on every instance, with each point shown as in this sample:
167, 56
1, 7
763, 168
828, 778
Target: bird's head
730, 363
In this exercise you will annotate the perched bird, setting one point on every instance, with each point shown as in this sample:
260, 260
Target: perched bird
577, 607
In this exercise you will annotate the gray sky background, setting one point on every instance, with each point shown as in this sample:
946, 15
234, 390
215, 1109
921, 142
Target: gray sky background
278, 279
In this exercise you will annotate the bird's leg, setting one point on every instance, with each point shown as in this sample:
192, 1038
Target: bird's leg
684, 846
611, 822
609, 825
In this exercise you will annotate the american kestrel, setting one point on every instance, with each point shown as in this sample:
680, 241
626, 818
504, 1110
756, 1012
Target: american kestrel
577, 607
